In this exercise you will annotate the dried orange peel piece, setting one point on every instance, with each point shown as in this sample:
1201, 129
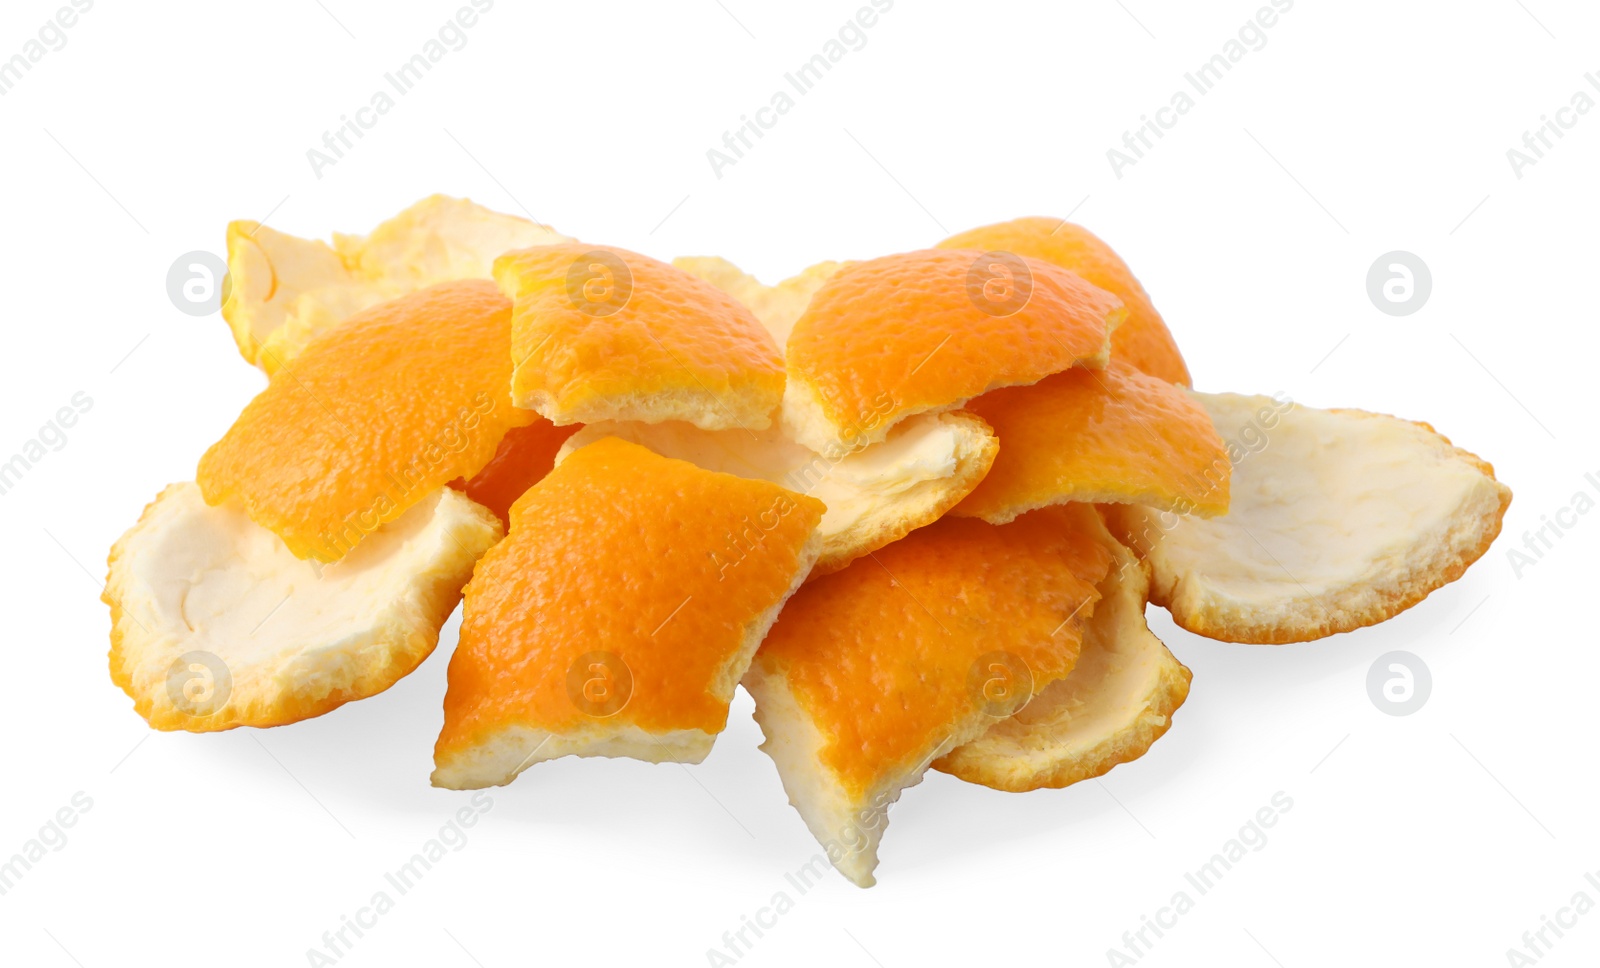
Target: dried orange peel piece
285, 290
600, 333
875, 671
525, 456
1143, 339
777, 306
1340, 519
1117, 701
216, 625
618, 614
873, 496
373, 417
1112, 436
925, 331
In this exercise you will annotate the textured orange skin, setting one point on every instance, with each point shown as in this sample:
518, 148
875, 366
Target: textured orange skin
525, 456
1143, 338
1117, 435
677, 336
620, 550
378, 413
879, 654
900, 335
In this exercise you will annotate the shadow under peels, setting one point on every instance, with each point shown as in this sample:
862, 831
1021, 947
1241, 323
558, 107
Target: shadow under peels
944, 817
374, 757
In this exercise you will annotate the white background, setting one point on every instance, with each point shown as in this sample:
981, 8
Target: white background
1360, 128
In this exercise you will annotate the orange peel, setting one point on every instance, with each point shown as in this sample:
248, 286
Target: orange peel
524, 457
1110, 436
1143, 339
925, 331
777, 306
380, 412
873, 496
1115, 703
1340, 519
285, 291
214, 624
875, 671
618, 614
600, 333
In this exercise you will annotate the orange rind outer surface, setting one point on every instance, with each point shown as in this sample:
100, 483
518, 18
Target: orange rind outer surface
926, 331
1143, 340
601, 333
374, 416
1103, 436
672, 572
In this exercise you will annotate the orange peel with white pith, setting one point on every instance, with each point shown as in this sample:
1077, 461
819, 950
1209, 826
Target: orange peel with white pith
284, 291
875, 671
1339, 519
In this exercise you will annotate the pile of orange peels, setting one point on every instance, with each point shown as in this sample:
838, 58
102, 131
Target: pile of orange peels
916, 505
